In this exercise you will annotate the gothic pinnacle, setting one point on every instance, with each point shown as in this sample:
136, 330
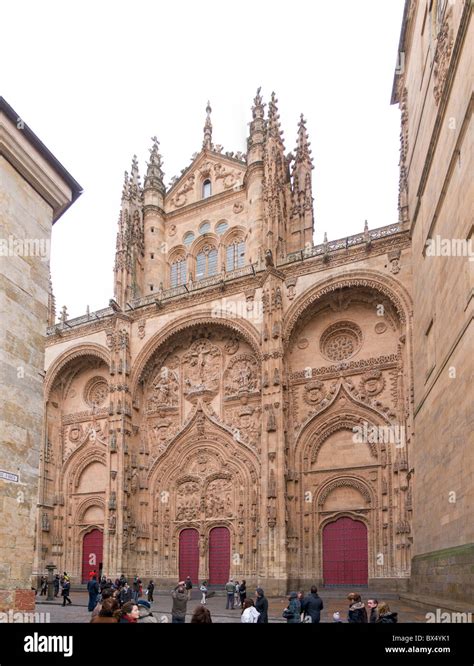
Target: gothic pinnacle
274, 118
303, 150
134, 186
125, 188
207, 142
154, 174
258, 105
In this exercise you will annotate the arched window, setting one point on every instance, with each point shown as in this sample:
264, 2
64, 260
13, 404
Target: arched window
206, 189
178, 272
205, 227
221, 227
188, 238
206, 262
235, 255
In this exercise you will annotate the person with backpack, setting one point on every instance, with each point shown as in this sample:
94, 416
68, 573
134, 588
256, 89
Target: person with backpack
292, 612
203, 591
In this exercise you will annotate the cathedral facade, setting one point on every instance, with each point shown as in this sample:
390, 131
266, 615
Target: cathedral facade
244, 405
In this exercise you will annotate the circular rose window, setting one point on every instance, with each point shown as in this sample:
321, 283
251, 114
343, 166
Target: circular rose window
341, 341
96, 391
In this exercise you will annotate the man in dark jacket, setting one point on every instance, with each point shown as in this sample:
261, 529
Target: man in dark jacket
180, 602
188, 587
372, 604
56, 583
151, 589
66, 590
125, 594
93, 589
312, 605
261, 604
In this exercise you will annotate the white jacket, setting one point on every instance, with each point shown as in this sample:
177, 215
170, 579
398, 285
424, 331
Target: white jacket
250, 615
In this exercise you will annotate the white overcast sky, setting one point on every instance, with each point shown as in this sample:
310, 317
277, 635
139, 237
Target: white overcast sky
96, 79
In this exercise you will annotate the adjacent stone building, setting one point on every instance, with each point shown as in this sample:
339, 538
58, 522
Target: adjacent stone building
433, 85
35, 190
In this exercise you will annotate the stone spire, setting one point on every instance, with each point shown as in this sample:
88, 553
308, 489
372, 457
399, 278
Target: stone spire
154, 173
130, 239
276, 185
303, 150
274, 128
207, 142
135, 187
301, 218
256, 136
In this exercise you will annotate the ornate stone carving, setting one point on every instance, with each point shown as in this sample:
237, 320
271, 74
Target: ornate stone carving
380, 327
180, 198
442, 55
372, 383
344, 482
241, 376
141, 329
231, 346
201, 369
218, 499
238, 207
164, 390
187, 501
96, 391
314, 392
341, 340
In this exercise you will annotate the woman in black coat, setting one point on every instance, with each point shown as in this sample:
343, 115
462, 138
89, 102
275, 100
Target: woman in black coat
386, 616
261, 604
243, 592
357, 613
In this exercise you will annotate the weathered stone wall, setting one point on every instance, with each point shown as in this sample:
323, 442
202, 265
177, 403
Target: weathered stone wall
435, 92
24, 284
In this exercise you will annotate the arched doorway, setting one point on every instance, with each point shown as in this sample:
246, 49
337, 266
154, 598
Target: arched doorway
92, 546
345, 553
189, 555
219, 556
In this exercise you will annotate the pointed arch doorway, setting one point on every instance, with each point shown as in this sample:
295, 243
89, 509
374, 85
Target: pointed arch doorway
219, 556
345, 552
92, 546
189, 555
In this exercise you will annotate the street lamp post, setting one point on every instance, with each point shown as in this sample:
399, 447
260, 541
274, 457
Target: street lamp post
50, 568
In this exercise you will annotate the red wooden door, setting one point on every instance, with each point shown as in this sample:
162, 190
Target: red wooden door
345, 554
219, 556
189, 555
92, 553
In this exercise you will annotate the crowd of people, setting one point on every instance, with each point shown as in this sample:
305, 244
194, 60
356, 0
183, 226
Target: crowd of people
119, 601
